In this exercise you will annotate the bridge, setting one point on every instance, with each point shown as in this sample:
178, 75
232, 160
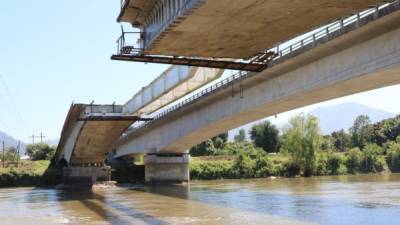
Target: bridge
351, 55
228, 34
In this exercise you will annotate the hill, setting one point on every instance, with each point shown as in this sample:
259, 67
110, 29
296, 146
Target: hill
10, 141
336, 117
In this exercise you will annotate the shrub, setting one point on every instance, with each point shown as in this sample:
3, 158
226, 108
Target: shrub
353, 160
243, 166
393, 157
335, 164
371, 161
380, 164
262, 166
211, 170
40, 151
321, 167
291, 168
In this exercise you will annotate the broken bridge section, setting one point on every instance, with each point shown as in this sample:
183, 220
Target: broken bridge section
90, 132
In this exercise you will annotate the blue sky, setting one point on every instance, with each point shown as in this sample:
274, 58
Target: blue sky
55, 52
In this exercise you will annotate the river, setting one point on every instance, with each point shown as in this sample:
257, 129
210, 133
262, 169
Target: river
360, 199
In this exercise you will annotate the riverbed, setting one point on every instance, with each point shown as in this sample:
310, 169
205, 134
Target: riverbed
358, 199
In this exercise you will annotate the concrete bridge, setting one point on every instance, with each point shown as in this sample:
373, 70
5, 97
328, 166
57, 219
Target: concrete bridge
351, 55
91, 131
361, 56
88, 135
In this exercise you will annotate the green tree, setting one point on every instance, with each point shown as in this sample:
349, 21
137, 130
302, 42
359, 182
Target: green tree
241, 136
11, 154
262, 165
243, 166
341, 140
335, 164
353, 160
40, 151
372, 160
361, 131
391, 128
327, 142
211, 146
302, 140
266, 136
393, 156
220, 140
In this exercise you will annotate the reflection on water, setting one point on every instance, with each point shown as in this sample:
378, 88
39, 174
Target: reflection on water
365, 199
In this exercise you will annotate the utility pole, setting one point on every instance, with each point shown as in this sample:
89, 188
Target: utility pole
33, 138
18, 147
4, 148
41, 137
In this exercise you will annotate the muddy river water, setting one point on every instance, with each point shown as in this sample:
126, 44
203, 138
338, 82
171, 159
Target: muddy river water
359, 199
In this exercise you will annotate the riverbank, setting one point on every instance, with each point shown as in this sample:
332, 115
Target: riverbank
259, 165
29, 174
254, 164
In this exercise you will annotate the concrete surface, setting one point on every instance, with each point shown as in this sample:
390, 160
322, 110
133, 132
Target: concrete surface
364, 59
89, 141
240, 29
172, 84
167, 169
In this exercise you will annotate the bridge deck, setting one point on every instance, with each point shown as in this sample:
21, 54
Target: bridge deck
240, 29
90, 132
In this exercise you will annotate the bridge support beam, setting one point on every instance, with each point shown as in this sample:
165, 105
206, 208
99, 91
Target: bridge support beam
83, 176
167, 168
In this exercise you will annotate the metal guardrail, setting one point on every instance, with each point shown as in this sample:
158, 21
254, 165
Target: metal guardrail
358, 19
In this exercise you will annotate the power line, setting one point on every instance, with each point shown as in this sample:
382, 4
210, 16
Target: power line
14, 105
4, 124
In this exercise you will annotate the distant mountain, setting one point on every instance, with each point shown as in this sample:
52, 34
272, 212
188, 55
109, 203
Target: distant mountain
342, 116
333, 118
10, 141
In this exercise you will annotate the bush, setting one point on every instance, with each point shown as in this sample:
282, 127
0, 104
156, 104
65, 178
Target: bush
321, 167
263, 166
335, 164
380, 164
291, 168
372, 161
393, 157
243, 166
40, 151
353, 160
211, 170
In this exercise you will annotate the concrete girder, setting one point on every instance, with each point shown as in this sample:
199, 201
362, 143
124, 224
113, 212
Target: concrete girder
90, 132
230, 28
361, 60
172, 84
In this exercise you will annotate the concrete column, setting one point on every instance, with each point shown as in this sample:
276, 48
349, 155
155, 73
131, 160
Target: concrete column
86, 175
163, 168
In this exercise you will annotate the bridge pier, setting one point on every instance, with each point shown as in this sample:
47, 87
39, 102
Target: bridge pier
85, 175
167, 168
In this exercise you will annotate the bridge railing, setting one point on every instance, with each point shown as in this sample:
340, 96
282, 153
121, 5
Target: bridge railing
289, 49
325, 31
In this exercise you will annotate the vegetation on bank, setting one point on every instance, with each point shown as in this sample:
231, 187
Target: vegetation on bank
34, 172
300, 150
29, 173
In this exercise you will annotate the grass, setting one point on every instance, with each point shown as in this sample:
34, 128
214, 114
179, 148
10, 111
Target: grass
29, 173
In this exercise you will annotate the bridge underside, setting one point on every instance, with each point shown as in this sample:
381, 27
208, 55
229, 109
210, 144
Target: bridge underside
361, 60
89, 133
235, 28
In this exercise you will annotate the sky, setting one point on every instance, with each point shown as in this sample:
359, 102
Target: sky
53, 53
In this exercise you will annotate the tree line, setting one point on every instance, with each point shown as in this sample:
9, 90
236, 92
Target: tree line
301, 149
